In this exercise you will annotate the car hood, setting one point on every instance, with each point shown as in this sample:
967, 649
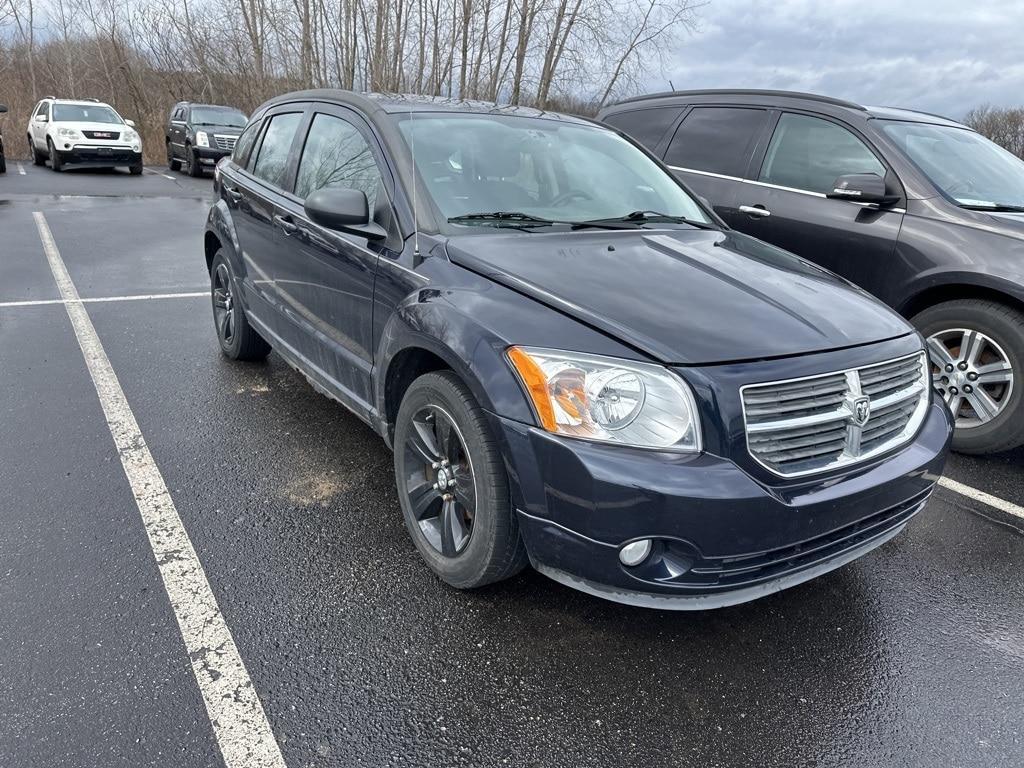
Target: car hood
684, 296
223, 130
104, 127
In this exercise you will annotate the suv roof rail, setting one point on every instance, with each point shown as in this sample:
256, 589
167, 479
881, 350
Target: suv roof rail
921, 112
49, 98
95, 101
749, 92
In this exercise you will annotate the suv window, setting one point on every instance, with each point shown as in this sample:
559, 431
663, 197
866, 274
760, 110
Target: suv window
716, 139
244, 144
810, 153
337, 155
645, 125
43, 108
272, 160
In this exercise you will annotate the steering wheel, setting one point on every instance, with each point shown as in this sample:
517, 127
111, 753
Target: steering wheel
569, 194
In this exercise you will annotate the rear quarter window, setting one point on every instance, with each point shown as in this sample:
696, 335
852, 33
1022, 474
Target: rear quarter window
244, 144
647, 126
716, 139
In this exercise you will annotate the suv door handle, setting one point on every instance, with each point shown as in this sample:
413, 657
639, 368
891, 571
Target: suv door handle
233, 194
757, 211
286, 224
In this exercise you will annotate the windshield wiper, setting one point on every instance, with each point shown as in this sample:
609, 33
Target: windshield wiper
997, 207
514, 218
638, 218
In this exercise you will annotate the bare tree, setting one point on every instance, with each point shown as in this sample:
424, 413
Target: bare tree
1003, 125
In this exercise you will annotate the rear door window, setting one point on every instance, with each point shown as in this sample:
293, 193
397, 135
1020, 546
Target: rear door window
647, 126
716, 139
272, 161
809, 153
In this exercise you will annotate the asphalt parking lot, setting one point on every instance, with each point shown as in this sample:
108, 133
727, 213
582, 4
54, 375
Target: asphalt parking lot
911, 656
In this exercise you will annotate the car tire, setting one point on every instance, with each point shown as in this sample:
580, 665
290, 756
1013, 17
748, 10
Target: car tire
3, 163
173, 163
193, 168
236, 337
135, 170
471, 538
55, 161
986, 338
38, 158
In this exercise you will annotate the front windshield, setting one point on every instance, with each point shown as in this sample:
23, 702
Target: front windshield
548, 169
85, 113
972, 170
214, 116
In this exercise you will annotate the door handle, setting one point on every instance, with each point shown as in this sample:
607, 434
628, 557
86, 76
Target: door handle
286, 224
757, 211
233, 194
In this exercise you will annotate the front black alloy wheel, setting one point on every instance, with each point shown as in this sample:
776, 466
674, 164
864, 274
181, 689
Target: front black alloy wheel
439, 480
237, 339
452, 485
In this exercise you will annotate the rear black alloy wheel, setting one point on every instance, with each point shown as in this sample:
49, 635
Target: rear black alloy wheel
237, 339
439, 480
452, 484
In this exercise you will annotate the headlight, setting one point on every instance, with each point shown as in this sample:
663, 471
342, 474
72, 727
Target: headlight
202, 139
130, 135
603, 398
68, 133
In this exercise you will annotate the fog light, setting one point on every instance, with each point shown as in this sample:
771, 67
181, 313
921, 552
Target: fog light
67, 146
635, 552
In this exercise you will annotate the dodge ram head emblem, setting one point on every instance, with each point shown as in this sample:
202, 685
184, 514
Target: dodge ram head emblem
860, 408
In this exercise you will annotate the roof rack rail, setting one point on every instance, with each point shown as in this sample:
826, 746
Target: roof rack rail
749, 92
51, 98
922, 112
95, 101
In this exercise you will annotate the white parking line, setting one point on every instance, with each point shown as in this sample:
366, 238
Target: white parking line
21, 169
235, 712
985, 498
157, 173
139, 297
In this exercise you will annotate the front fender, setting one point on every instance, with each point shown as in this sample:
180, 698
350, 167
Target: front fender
470, 323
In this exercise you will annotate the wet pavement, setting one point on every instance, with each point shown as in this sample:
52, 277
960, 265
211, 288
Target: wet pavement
911, 656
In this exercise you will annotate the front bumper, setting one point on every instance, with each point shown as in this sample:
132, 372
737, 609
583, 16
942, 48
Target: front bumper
722, 534
210, 155
99, 155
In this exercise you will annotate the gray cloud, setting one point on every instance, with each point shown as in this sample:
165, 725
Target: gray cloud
939, 56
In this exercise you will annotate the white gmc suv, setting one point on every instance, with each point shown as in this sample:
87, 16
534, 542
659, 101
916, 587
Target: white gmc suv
85, 132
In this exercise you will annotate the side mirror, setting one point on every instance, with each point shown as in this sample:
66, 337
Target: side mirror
130, 123
344, 210
861, 188
42, 119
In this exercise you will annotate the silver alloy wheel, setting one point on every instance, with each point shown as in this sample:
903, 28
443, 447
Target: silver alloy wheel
972, 373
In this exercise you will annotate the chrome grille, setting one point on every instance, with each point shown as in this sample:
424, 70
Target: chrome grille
225, 142
818, 423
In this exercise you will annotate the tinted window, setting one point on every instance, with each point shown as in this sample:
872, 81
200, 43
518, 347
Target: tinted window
716, 139
811, 153
272, 161
42, 108
218, 116
645, 125
337, 155
245, 142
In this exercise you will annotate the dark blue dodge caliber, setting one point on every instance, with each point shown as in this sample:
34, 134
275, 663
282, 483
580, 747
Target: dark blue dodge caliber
577, 365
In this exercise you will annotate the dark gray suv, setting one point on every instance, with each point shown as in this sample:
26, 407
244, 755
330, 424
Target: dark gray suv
919, 210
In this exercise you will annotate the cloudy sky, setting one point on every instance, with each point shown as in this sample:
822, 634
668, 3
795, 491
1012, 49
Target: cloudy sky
941, 56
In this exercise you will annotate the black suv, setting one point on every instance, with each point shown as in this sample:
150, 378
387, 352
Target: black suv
919, 210
576, 364
199, 135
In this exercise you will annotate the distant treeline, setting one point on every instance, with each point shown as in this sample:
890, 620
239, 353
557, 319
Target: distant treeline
144, 55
